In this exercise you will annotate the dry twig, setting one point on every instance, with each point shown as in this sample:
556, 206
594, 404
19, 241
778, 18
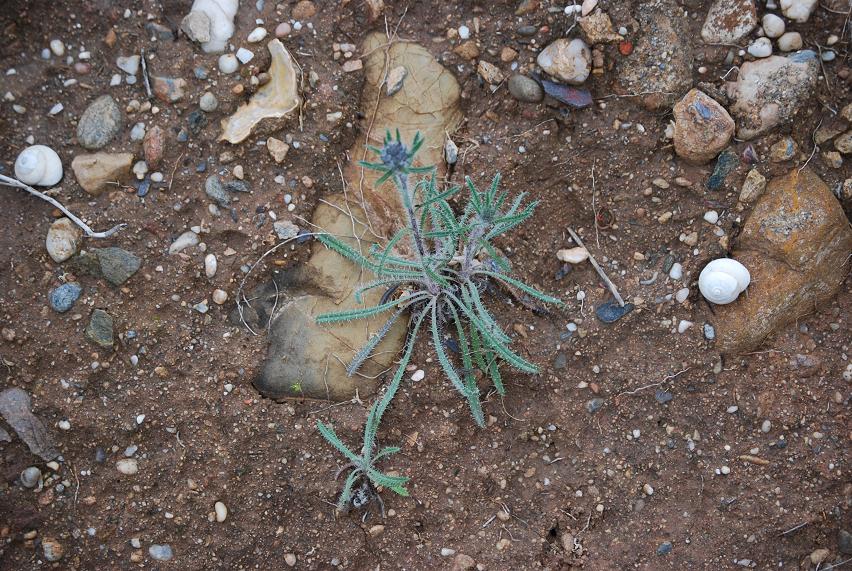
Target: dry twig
9, 181
598, 269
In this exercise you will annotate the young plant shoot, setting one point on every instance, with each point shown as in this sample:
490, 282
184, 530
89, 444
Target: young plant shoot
440, 286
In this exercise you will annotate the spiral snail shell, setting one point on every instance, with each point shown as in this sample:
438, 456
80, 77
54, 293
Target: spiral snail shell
38, 165
723, 280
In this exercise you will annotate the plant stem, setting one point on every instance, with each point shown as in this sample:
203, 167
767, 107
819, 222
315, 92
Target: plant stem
470, 250
416, 236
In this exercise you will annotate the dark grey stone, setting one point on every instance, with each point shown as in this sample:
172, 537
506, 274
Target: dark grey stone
99, 330
116, 264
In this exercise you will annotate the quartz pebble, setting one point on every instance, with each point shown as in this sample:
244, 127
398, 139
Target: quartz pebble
257, 35
57, 47
210, 265
790, 42
221, 511
244, 55
682, 295
711, 216
127, 466
761, 48
773, 26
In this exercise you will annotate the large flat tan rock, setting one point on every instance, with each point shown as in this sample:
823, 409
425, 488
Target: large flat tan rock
797, 245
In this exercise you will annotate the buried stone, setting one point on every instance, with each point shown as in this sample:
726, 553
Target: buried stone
305, 359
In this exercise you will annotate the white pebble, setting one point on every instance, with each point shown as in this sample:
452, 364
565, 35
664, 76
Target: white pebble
244, 55
447, 552
684, 325
733, 408
157, 177
762, 47
57, 47
766, 426
228, 63
773, 26
828, 55
210, 265
127, 466
64, 425
790, 42
418, 375
256, 35
115, 80
798, 10
711, 216
56, 109
45, 53
221, 511
464, 32
681, 295
676, 272
140, 418
648, 489
725, 470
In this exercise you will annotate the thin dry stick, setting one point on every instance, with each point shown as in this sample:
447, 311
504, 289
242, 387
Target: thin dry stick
816, 147
668, 378
145, 75
8, 181
597, 267
594, 207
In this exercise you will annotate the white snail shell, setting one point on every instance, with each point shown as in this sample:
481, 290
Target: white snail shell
38, 165
723, 280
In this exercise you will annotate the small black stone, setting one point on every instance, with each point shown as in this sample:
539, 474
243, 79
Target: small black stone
663, 396
665, 548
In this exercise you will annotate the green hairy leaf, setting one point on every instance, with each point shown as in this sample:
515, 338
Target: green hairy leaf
445, 281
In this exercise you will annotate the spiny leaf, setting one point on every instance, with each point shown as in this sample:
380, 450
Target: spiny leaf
522, 286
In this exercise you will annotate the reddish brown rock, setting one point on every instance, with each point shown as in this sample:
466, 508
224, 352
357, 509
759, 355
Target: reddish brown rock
168, 89
304, 10
153, 146
796, 245
702, 127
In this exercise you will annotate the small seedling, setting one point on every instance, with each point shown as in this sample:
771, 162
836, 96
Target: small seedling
453, 262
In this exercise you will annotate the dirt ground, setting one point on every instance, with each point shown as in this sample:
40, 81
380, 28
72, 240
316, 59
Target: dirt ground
565, 487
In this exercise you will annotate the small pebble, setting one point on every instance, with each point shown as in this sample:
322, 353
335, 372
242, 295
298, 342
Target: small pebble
228, 63
208, 102
418, 375
594, 405
127, 466
464, 32
676, 272
711, 216
30, 477
57, 47
256, 35
221, 511
648, 489
244, 55
161, 552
